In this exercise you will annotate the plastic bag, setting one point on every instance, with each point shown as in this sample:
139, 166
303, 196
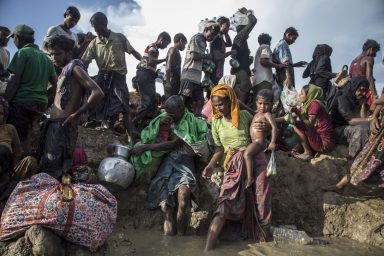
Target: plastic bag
272, 165
289, 98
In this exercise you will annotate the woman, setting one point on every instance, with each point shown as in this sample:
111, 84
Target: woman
320, 68
252, 207
369, 162
349, 115
315, 126
10, 154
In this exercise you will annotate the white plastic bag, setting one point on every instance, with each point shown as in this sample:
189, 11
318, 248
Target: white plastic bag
289, 98
272, 165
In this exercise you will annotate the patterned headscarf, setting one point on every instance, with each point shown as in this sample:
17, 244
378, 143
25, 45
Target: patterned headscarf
4, 103
223, 90
314, 93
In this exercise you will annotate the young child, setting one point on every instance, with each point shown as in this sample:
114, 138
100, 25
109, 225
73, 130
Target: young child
264, 103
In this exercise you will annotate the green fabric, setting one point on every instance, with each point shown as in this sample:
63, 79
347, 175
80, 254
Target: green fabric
314, 93
228, 136
190, 128
35, 69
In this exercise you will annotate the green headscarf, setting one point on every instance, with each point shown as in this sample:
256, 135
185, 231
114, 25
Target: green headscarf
314, 93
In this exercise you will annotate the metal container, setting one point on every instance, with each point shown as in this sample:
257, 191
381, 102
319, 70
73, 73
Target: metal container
116, 169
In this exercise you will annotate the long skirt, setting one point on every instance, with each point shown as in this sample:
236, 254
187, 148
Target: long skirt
252, 206
369, 161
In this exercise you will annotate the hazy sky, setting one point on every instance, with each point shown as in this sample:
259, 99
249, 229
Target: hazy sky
343, 24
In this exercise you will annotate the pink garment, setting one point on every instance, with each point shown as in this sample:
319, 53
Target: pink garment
207, 111
79, 158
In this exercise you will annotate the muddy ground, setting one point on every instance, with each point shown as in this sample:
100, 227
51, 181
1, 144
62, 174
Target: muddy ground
297, 199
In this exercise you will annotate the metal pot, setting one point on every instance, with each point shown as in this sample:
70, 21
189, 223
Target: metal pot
121, 151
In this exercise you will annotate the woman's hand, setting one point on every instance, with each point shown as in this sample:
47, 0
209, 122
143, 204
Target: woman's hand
138, 150
207, 173
374, 125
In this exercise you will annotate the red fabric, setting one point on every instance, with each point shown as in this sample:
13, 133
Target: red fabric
79, 158
356, 69
319, 138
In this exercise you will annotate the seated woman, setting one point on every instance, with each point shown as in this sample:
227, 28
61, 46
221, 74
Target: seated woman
175, 182
10, 154
349, 118
369, 162
315, 126
231, 133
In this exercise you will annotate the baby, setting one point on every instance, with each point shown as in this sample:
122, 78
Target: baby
264, 103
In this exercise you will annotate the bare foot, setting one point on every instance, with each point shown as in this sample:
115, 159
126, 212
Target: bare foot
339, 186
303, 157
169, 229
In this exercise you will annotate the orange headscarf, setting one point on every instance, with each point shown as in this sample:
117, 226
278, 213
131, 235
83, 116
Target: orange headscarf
223, 90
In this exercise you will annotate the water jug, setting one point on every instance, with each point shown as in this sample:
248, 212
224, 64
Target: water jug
116, 169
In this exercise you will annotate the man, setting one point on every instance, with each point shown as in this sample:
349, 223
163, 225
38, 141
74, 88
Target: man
263, 76
59, 132
240, 44
362, 65
146, 75
173, 66
108, 49
175, 181
4, 53
285, 76
71, 18
190, 85
27, 90
217, 49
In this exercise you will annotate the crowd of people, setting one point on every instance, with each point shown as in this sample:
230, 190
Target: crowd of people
237, 116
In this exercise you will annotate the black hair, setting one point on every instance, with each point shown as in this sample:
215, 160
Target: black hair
80, 37
370, 43
178, 37
305, 88
222, 20
62, 42
164, 35
292, 31
174, 102
26, 39
264, 38
99, 18
265, 94
5, 30
73, 12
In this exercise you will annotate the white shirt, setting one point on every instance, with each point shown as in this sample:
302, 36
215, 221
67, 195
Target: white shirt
263, 73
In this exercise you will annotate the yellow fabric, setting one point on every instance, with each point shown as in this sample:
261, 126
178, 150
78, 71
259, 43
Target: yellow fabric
109, 54
226, 135
223, 90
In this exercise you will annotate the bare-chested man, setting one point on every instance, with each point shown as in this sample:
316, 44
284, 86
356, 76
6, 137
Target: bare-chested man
362, 65
59, 132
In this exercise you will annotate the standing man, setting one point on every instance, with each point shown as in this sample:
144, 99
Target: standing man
282, 54
240, 44
173, 66
27, 91
362, 65
59, 132
108, 49
217, 49
4, 53
263, 76
146, 79
190, 85
71, 18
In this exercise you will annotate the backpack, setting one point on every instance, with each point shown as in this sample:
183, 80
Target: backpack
336, 88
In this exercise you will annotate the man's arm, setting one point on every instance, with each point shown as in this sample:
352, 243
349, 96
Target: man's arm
272, 122
12, 87
227, 40
266, 62
96, 94
217, 55
369, 73
200, 56
52, 90
136, 55
168, 68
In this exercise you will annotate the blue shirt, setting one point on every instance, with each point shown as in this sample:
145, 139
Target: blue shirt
281, 54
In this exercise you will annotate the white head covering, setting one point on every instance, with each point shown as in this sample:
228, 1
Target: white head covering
228, 80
